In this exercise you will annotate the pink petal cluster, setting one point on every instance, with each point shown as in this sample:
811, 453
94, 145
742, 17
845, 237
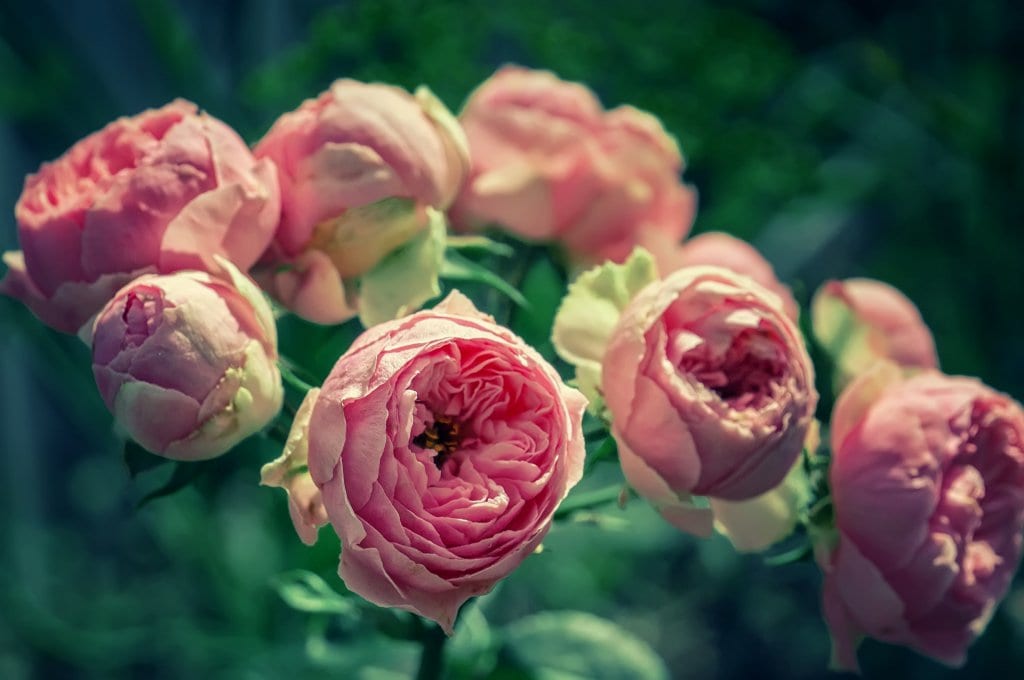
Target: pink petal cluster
186, 362
442, 445
710, 389
722, 250
353, 146
549, 164
165, 190
927, 483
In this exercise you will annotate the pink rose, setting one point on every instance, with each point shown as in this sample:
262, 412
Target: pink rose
187, 362
860, 321
927, 480
166, 190
710, 391
549, 164
358, 165
442, 445
722, 250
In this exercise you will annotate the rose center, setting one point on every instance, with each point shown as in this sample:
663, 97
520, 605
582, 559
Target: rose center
743, 375
442, 436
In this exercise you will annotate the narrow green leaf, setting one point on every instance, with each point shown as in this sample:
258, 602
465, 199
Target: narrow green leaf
456, 267
608, 450
139, 460
586, 500
480, 244
543, 285
183, 475
307, 592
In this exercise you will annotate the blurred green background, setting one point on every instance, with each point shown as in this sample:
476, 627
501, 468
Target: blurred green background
841, 137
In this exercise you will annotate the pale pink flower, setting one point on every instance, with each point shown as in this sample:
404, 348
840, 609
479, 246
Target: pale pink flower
710, 391
358, 166
549, 164
441, 445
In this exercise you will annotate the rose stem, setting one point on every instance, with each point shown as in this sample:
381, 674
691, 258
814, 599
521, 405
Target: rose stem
295, 381
432, 658
588, 500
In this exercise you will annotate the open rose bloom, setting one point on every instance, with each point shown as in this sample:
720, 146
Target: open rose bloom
550, 164
166, 190
927, 484
710, 392
441, 445
186, 362
358, 166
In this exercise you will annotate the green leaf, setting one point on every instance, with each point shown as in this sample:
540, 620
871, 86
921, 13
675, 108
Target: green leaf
608, 450
576, 646
475, 242
139, 460
456, 267
544, 286
307, 592
587, 500
473, 651
184, 474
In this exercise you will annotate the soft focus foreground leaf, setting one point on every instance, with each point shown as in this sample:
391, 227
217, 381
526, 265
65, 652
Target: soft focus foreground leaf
363, 658
576, 645
406, 279
480, 243
183, 475
459, 268
473, 651
139, 460
307, 592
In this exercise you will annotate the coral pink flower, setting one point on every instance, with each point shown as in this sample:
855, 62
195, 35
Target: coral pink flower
860, 321
186, 362
358, 165
927, 480
549, 164
166, 190
442, 445
710, 390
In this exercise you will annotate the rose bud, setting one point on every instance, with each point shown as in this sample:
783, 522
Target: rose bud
859, 321
166, 190
722, 250
186, 362
358, 167
927, 479
441, 445
549, 164
710, 392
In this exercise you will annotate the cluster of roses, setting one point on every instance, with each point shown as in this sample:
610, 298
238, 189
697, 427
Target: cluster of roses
440, 445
